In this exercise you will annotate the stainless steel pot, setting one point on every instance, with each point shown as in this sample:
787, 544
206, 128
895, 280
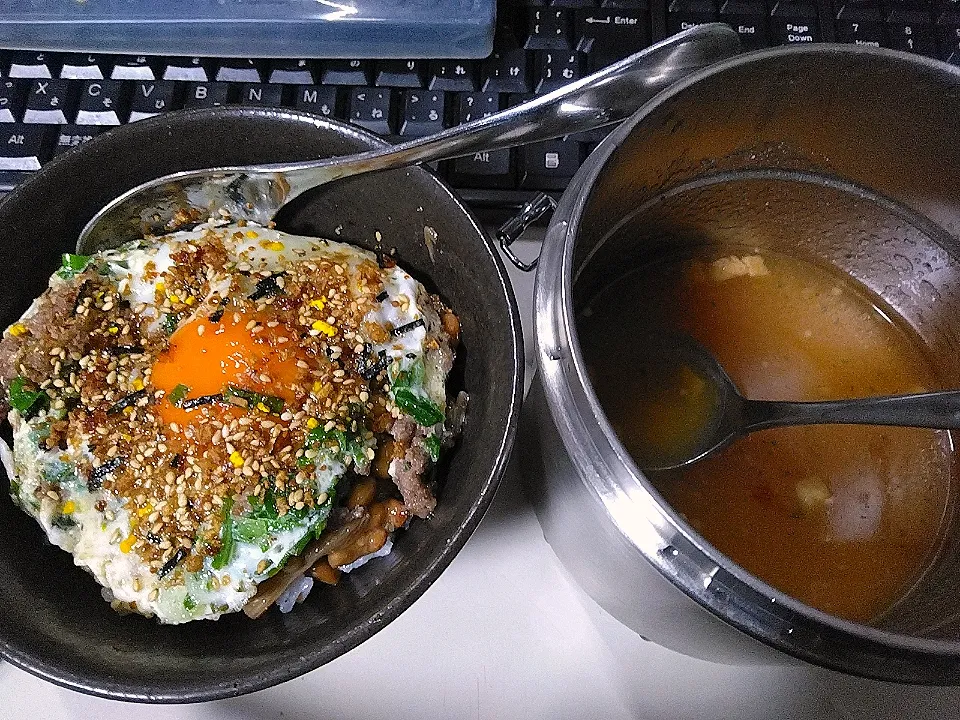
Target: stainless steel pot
836, 154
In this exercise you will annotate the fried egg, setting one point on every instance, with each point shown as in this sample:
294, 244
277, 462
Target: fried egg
182, 429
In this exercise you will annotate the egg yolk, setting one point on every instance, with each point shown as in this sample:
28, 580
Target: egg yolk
207, 357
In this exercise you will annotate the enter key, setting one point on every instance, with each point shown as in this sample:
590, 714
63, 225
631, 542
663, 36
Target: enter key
610, 35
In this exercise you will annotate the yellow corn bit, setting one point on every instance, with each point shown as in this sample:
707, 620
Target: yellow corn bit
325, 327
262, 408
113, 330
190, 300
274, 245
251, 234
138, 384
312, 423
145, 510
236, 459
318, 303
127, 544
18, 329
68, 507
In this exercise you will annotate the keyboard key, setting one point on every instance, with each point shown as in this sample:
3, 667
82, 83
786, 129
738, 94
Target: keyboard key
73, 135
549, 165
548, 29
473, 106
787, 31
370, 108
345, 72
573, 3
78, 66
319, 99
12, 94
27, 64
625, 4
506, 71
25, 147
50, 101
858, 10
611, 35
860, 33
262, 94
452, 75
206, 94
103, 102
188, 69
794, 9
152, 98
240, 70
693, 6
133, 67
556, 69
485, 169
910, 12
422, 112
752, 29
680, 21
290, 72
912, 38
401, 73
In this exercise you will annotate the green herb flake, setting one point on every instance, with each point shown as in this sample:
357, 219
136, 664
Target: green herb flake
424, 411
22, 398
432, 444
169, 323
189, 604
265, 403
72, 265
178, 394
223, 558
64, 522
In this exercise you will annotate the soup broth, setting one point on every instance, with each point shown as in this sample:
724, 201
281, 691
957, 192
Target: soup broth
844, 518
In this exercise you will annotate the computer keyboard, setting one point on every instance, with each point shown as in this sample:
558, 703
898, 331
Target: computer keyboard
50, 101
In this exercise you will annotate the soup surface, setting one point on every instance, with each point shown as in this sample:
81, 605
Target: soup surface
844, 518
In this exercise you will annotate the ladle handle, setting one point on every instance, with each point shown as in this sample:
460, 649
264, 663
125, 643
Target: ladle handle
940, 410
606, 97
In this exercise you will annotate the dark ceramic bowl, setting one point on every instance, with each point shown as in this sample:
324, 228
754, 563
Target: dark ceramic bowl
55, 623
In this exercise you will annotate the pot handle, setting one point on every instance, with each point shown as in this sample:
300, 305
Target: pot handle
512, 229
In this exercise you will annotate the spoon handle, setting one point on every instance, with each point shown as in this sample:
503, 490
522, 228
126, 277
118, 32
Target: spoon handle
605, 97
927, 410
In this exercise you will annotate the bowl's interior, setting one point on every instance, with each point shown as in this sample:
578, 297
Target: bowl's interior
55, 621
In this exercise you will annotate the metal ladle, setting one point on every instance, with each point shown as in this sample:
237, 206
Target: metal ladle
256, 192
731, 416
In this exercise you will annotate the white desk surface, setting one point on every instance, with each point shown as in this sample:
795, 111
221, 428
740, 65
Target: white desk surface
503, 633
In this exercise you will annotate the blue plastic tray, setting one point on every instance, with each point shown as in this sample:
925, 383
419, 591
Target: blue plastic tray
253, 28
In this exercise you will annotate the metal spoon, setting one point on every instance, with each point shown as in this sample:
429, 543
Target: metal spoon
731, 416
257, 192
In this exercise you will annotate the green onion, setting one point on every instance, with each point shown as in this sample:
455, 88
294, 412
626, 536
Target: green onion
23, 399
223, 558
432, 444
347, 445
267, 403
72, 265
188, 602
424, 411
169, 323
177, 395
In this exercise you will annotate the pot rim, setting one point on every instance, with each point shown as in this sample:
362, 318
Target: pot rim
647, 524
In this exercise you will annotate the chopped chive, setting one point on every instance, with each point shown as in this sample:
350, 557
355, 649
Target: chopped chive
189, 603
169, 323
253, 399
424, 411
223, 557
177, 395
72, 265
23, 399
432, 444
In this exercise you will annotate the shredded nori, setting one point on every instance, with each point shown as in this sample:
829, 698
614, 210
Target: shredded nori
81, 294
170, 564
369, 367
176, 461
95, 481
124, 350
382, 296
217, 314
125, 402
400, 330
266, 287
201, 400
